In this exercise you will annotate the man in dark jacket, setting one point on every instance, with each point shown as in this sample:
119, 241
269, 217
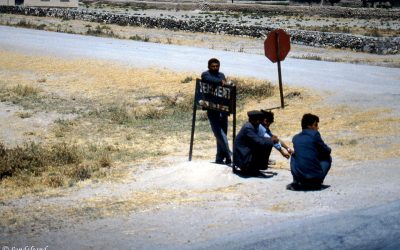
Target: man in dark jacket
218, 120
251, 151
311, 160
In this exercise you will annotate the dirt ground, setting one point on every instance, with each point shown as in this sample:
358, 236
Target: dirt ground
165, 201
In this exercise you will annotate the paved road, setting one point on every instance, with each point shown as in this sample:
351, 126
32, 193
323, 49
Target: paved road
367, 85
372, 228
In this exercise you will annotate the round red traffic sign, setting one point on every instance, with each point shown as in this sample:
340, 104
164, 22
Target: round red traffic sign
277, 45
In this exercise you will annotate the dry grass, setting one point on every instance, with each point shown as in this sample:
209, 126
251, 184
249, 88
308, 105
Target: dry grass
353, 133
127, 117
282, 207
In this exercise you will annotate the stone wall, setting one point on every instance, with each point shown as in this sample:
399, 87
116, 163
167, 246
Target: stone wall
388, 45
302, 10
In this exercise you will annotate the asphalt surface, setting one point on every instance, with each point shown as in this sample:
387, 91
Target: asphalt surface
371, 228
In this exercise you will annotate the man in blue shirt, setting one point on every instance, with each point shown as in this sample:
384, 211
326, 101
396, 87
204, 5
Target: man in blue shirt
218, 120
311, 160
265, 131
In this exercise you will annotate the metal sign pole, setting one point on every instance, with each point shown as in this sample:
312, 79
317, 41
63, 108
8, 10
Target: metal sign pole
193, 127
234, 117
279, 70
234, 120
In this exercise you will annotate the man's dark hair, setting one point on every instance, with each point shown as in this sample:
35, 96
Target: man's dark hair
269, 115
308, 120
255, 115
213, 60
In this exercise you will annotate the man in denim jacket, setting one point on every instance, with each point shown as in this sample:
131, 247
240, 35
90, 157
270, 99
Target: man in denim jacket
218, 120
311, 160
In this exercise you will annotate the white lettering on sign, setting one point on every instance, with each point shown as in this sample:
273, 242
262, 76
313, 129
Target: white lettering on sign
219, 91
207, 104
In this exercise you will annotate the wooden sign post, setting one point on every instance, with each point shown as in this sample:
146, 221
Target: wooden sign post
276, 48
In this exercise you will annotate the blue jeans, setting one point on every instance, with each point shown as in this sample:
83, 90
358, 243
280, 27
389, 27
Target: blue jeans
219, 126
325, 166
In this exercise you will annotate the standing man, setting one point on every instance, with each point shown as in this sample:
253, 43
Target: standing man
251, 151
218, 120
311, 160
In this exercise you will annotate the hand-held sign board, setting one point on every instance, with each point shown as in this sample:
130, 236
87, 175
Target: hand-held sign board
276, 48
208, 96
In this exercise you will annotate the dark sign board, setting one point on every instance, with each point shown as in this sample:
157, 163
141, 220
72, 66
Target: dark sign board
221, 98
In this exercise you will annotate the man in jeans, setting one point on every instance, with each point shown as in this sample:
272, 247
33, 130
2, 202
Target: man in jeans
218, 120
311, 160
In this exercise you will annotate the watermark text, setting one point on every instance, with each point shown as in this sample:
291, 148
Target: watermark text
24, 248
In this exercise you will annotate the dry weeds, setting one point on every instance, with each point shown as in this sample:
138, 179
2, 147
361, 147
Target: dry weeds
113, 109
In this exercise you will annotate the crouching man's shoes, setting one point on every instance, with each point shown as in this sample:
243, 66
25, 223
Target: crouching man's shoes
297, 186
294, 186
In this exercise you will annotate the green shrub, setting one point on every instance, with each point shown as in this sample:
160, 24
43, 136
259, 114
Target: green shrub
100, 31
178, 103
139, 38
54, 180
64, 154
119, 115
116, 114
41, 26
80, 172
151, 113
187, 79
25, 91
374, 33
31, 158
105, 161
24, 115
245, 91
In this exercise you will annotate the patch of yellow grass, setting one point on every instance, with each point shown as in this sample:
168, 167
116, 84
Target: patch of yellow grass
133, 202
92, 78
354, 134
282, 207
